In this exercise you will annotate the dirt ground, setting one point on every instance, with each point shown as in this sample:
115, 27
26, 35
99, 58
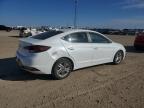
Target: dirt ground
103, 86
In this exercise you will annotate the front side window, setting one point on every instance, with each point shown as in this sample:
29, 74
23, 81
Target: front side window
77, 38
97, 38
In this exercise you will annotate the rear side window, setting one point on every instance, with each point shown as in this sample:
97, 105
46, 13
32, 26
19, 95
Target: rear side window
77, 38
47, 35
97, 38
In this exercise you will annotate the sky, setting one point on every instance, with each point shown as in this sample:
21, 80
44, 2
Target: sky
91, 13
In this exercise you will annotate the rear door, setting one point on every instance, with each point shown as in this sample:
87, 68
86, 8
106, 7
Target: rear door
79, 48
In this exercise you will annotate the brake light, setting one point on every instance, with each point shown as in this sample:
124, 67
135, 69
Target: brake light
37, 48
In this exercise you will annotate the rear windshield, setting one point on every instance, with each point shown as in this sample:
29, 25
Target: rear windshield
46, 35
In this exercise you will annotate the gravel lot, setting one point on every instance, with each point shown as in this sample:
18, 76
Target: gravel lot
103, 86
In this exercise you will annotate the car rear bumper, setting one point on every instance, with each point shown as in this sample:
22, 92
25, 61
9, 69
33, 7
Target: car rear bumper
27, 68
37, 64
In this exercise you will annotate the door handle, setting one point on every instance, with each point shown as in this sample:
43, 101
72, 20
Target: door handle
71, 48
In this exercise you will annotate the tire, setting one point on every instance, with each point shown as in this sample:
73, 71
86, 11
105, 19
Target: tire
62, 69
138, 48
8, 30
118, 57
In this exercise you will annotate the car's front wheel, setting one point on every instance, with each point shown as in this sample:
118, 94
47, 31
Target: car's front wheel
118, 57
62, 69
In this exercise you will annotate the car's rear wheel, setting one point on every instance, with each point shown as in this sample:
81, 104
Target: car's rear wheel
138, 48
62, 68
118, 57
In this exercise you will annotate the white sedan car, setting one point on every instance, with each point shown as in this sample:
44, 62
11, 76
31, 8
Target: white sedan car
60, 52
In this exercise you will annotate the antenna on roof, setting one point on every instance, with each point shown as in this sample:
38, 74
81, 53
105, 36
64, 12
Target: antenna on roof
75, 14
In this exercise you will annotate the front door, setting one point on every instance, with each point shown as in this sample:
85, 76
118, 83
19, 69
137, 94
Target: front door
103, 49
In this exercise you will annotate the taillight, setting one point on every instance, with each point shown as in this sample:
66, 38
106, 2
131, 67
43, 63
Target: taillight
37, 48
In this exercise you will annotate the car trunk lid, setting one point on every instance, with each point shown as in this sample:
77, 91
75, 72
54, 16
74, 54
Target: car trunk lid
26, 42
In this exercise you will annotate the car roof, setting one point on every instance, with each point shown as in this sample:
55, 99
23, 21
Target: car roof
66, 32
69, 31
75, 30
